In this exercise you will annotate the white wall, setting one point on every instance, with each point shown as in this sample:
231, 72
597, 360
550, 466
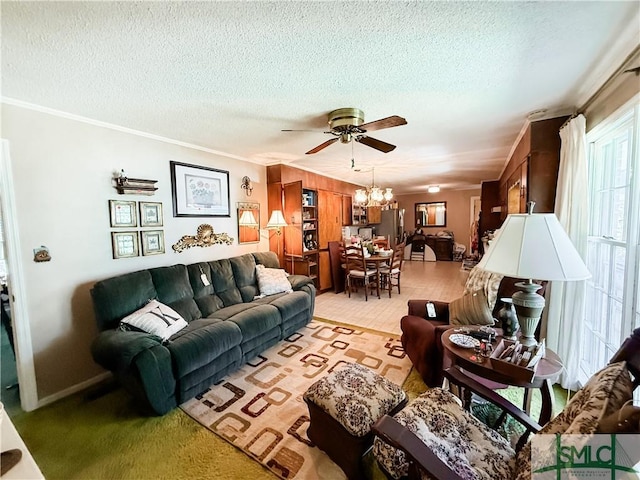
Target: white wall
62, 179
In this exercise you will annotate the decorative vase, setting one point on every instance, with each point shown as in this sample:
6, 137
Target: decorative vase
508, 319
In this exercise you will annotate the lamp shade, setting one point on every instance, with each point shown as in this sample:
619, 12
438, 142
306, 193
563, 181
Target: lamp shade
276, 221
247, 219
534, 246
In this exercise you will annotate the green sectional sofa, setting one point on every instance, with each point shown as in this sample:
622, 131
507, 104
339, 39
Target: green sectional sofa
227, 325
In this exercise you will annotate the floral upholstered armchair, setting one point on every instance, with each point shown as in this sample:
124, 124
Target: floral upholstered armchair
434, 437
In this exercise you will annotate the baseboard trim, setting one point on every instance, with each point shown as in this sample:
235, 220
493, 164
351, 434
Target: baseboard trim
74, 389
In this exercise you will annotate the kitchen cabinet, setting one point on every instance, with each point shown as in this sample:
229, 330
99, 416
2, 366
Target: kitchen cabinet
359, 215
374, 214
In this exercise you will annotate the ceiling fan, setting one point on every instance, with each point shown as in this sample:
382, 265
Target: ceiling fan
347, 124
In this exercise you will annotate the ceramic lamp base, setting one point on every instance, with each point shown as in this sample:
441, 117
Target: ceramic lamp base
529, 306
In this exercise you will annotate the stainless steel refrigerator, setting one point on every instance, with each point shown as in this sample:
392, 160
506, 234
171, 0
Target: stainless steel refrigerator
391, 225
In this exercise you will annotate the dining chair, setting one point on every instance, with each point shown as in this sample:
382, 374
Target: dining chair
359, 271
390, 274
380, 243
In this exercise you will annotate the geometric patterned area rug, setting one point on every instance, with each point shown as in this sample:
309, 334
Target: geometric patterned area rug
260, 410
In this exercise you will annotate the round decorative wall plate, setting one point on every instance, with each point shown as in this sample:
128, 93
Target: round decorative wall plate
464, 341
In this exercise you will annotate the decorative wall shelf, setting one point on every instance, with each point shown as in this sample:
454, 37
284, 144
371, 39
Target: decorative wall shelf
134, 186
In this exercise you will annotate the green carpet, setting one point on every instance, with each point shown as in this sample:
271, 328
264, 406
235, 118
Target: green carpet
89, 437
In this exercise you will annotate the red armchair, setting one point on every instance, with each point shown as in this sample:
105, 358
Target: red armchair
421, 335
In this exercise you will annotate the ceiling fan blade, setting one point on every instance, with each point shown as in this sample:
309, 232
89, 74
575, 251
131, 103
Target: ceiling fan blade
375, 143
392, 121
322, 145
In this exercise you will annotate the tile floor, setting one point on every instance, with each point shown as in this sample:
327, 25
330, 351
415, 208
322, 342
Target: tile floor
419, 280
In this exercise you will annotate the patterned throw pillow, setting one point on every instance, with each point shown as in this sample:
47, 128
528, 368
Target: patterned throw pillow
480, 279
470, 309
155, 318
460, 440
605, 393
355, 396
272, 280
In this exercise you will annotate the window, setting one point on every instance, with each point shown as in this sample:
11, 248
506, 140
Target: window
613, 249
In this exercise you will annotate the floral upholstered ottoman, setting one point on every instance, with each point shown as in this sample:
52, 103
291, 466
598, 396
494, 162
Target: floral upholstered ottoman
343, 406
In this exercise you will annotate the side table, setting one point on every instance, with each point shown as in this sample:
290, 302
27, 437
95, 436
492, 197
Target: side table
548, 371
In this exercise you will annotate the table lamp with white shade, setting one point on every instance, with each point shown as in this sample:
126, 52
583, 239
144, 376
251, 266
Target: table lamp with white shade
533, 246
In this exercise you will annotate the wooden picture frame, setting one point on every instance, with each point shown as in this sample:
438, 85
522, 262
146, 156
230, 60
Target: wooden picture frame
151, 214
152, 242
199, 191
125, 244
123, 213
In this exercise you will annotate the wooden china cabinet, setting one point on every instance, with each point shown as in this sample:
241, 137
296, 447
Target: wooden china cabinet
315, 208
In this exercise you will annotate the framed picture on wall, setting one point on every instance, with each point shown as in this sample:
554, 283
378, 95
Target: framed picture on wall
199, 191
150, 214
125, 244
152, 242
123, 213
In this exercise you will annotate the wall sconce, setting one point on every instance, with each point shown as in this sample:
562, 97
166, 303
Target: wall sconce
246, 185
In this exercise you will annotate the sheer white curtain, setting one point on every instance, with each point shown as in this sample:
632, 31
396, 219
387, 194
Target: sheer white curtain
566, 303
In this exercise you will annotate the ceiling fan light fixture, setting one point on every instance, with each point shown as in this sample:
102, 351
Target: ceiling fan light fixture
433, 188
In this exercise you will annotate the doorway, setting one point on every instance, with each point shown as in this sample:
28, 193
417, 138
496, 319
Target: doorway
15, 298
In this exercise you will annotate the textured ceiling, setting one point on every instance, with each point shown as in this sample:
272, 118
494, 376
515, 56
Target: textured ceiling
229, 76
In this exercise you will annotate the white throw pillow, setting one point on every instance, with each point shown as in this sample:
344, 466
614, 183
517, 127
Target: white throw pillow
156, 318
272, 280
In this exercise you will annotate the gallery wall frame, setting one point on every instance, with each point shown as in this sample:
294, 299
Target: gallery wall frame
123, 213
152, 242
199, 191
125, 244
151, 214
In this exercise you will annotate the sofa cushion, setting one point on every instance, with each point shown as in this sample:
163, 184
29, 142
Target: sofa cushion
228, 312
117, 297
460, 440
605, 393
272, 280
470, 309
174, 289
268, 259
201, 346
299, 281
292, 305
224, 283
155, 318
253, 322
244, 273
203, 291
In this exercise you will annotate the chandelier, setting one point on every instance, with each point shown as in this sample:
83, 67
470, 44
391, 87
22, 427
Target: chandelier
373, 196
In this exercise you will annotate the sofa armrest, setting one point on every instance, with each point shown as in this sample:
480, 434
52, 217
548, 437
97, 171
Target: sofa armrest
418, 308
116, 349
299, 281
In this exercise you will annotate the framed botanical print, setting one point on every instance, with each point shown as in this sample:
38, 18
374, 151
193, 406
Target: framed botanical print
123, 213
150, 214
199, 191
152, 242
125, 244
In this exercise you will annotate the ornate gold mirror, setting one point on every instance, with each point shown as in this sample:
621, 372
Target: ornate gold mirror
431, 214
248, 222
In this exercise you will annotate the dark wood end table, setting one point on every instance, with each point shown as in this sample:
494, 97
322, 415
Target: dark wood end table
548, 371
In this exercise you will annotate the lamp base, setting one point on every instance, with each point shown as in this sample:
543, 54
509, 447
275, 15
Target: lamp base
529, 306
